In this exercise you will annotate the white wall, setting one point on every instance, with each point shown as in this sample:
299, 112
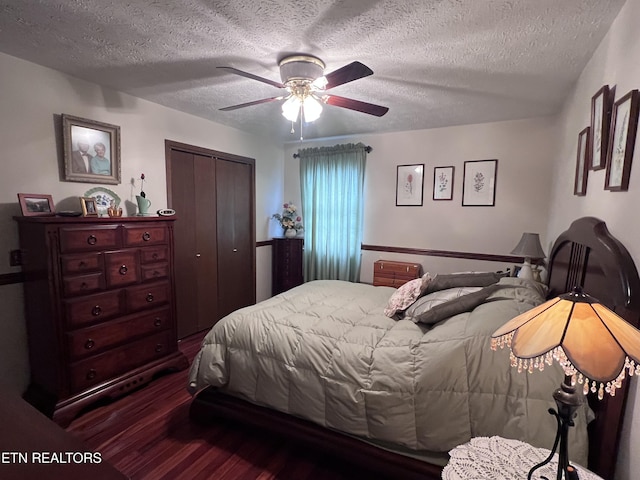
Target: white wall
31, 100
525, 151
614, 63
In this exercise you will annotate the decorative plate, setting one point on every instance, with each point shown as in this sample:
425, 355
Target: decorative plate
103, 197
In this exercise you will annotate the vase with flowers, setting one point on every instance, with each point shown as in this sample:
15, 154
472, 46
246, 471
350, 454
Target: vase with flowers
143, 202
289, 220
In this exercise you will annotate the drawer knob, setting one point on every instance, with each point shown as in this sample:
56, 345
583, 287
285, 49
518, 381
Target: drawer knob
157, 322
91, 374
154, 256
149, 297
123, 270
96, 311
84, 285
156, 273
92, 240
89, 344
82, 264
146, 236
159, 347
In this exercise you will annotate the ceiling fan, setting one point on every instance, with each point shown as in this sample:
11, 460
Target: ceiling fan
303, 78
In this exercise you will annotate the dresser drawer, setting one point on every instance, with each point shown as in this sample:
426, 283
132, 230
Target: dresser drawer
154, 272
104, 366
122, 267
83, 284
150, 235
94, 238
94, 308
81, 263
154, 254
147, 296
95, 339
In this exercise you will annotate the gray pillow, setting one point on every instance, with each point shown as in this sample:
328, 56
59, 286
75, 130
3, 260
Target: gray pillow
427, 302
473, 279
461, 304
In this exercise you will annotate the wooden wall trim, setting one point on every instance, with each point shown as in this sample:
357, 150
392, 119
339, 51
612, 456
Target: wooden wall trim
445, 253
264, 243
10, 278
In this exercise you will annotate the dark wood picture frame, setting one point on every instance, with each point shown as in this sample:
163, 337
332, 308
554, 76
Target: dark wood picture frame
479, 183
582, 163
89, 207
443, 178
624, 126
36, 205
91, 137
601, 106
409, 185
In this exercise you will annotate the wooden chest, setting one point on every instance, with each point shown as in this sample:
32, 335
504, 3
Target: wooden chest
394, 274
287, 264
99, 306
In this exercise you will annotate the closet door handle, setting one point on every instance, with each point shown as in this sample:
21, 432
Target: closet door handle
235, 250
198, 255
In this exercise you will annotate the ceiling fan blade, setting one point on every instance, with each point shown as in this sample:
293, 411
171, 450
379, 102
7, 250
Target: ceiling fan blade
248, 104
357, 105
253, 77
346, 74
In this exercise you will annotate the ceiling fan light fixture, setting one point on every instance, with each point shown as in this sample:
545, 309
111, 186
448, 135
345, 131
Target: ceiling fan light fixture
312, 108
291, 108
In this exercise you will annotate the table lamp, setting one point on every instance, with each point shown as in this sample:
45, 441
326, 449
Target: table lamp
594, 346
528, 247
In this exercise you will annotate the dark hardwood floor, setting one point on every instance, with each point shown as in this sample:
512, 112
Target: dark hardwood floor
148, 435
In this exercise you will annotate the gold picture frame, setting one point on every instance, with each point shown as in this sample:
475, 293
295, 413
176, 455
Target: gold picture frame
89, 207
91, 151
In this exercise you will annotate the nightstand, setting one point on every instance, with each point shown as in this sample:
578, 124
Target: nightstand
498, 458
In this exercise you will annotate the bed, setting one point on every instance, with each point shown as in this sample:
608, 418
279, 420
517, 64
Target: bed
323, 364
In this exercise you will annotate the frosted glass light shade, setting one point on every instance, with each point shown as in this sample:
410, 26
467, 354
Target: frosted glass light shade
291, 108
312, 109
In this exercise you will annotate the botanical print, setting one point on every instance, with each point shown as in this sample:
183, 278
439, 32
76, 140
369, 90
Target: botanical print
580, 182
596, 131
443, 183
618, 152
479, 184
409, 185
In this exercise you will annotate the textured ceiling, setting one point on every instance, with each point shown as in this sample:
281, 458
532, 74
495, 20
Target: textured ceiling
436, 63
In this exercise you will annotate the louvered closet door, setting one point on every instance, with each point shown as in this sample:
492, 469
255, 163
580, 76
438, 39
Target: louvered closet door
236, 247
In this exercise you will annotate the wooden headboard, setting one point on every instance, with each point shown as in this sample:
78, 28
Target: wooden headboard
588, 255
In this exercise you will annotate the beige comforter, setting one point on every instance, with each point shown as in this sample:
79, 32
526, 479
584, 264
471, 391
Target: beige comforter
325, 351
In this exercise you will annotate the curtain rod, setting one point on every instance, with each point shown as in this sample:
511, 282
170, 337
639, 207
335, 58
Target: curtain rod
366, 149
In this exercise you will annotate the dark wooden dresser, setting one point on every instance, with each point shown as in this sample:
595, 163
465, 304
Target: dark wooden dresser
394, 274
287, 264
99, 308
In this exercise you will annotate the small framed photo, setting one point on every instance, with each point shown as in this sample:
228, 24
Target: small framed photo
91, 151
624, 124
35, 205
89, 207
582, 163
409, 185
443, 183
479, 183
601, 104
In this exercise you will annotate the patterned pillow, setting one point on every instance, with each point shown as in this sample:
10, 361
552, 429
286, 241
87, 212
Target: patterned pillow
408, 293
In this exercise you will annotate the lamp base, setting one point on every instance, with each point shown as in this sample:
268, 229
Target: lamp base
525, 271
567, 401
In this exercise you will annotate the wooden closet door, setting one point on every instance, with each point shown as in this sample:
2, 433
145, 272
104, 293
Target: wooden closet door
192, 189
236, 247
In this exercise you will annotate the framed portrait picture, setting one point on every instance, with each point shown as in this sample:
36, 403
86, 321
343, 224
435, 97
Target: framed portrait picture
479, 183
601, 104
624, 124
91, 151
409, 185
582, 163
89, 206
35, 204
443, 183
